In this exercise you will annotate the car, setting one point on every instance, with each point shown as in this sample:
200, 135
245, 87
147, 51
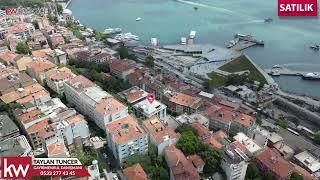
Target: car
115, 177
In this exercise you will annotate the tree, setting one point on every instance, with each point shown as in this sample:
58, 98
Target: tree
188, 143
282, 123
100, 36
212, 157
124, 53
267, 176
59, 9
152, 164
317, 137
87, 156
296, 176
252, 172
186, 127
149, 62
22, 48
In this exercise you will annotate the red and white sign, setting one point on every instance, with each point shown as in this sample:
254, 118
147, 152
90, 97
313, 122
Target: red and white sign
11, 11
297, 8
26, 167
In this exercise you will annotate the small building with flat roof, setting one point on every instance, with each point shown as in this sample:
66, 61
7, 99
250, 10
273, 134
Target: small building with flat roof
308, 161
17, 146
8, 129
145, 109
133, 94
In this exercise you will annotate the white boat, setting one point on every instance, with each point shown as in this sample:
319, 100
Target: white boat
139, 19
183, 40
124, 37
192, 34
112, 30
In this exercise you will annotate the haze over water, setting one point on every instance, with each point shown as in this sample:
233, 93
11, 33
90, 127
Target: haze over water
287, 40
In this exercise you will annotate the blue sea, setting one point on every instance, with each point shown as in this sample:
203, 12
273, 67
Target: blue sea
287, 40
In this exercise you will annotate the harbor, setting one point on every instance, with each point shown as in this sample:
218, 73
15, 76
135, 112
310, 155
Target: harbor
283, 71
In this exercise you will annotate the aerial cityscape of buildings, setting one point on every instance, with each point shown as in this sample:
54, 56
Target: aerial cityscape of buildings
64, 89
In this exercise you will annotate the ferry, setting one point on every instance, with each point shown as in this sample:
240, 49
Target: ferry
311, 76
112, 30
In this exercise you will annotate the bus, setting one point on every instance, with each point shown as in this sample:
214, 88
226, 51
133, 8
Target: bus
293, 131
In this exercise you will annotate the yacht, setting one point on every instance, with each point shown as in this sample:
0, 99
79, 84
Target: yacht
311, 76
124, 37
139, 19
112, 31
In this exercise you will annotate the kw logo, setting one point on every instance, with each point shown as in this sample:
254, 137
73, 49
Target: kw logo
11, 11
16, 168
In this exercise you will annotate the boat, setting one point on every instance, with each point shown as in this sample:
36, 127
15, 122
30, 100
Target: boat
268, 20
192, 34
275, 73
125, 37
276, 66
112, 30
183, 40
315, 47
311, 76
195, 8
138, 19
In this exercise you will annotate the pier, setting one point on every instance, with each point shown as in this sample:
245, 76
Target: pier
241, 42
282, 71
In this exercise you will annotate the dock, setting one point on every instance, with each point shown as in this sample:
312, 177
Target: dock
241, 42
282, 71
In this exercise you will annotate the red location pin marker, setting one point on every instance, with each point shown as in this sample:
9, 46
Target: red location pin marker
151, 97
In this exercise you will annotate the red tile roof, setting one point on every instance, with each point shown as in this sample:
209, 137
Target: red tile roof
158, 131
196, 160
124, 130
135, 172
186, 100
179, 165
273, 161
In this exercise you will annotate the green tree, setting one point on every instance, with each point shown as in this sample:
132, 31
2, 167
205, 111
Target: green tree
317, 137
296, 176
22, 48
253, 172
149, 62
59, 9
87, 156
186, 127
123, 52
152, 164
100, 36
188, 143
282, 123
212, 158
267, 176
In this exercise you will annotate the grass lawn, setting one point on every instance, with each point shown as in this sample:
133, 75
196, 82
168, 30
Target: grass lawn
242, 64
216, 80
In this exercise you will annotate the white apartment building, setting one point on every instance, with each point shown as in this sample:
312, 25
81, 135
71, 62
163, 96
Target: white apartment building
251, 147
145, 109
160, 135
92, 101
309, 161
125, 137
55, 79
74, 131
234, 163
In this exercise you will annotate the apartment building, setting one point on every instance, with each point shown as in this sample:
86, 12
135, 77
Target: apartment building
160, 135
55, 79
92, 101
38, 69
125, 137
183, 103
145, 109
